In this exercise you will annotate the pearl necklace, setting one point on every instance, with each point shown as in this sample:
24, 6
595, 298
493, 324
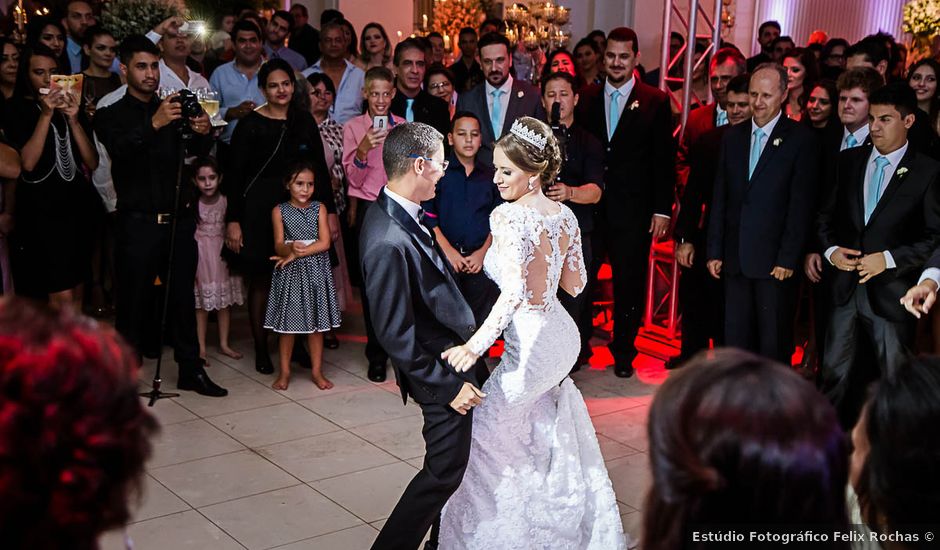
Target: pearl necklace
64, 160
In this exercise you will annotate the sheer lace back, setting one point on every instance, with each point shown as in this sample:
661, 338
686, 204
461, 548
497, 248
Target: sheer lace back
533, 253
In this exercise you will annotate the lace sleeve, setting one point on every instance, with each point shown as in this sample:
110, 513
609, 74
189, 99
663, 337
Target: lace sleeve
574, 275
513, 254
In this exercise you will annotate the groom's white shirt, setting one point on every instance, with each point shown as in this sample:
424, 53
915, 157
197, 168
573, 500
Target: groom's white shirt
411, 208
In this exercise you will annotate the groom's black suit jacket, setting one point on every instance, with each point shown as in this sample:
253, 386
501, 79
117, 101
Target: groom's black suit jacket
417, 309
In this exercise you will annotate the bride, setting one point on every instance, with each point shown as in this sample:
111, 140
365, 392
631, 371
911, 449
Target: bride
536, 478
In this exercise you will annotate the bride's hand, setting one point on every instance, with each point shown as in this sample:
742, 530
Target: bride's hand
460, 357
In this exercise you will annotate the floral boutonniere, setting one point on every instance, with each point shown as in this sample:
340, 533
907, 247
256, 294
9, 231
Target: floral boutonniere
901, 172
777, 142
634, 105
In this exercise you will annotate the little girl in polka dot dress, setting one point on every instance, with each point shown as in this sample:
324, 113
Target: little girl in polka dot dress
303, 298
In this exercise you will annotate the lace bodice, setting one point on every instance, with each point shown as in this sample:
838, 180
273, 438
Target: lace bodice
531, 256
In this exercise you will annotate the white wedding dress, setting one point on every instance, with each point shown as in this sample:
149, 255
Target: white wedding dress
536, 478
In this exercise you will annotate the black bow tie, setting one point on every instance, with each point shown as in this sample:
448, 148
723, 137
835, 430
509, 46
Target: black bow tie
422, 216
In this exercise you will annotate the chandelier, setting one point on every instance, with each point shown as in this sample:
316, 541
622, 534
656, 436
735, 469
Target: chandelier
538, 25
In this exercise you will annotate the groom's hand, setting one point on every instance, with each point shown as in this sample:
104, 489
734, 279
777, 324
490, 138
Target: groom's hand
468, 398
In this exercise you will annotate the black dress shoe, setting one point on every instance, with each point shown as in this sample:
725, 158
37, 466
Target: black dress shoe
623, 370
330, 341
377, 372
263, 363
201, 384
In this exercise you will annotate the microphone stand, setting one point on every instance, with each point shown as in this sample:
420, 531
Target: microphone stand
155, 393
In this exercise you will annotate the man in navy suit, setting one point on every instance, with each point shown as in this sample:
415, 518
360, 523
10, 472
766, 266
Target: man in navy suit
633, 122
501, 99
877, 229
701, 297
762, 212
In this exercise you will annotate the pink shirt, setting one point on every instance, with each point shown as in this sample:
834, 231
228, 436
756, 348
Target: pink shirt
365, 180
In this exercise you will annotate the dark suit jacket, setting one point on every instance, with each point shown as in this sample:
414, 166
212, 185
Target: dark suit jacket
524, 100
640, 159
428, 109
695, 205
417, 309
701, 120
754, 62
764, 222
906, 223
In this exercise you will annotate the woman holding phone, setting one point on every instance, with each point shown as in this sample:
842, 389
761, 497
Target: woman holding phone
264, 144
54, 198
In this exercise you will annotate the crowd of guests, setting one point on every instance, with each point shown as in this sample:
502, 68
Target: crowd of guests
801, 195
790, 233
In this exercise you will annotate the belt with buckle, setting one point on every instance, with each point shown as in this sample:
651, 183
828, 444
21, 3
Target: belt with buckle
161, 218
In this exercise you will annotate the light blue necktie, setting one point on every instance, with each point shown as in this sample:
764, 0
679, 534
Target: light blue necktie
874, 186
755, 152
614, 113
722, 118
495, 112
850, 141
409, 110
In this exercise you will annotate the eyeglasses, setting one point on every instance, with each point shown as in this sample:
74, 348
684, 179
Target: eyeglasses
444, 84
443, 164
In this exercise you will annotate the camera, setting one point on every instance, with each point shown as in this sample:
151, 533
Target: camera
189, 104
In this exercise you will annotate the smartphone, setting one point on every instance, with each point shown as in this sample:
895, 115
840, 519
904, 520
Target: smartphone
68, 83
380, 122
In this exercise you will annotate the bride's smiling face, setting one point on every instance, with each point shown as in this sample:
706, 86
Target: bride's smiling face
510, 180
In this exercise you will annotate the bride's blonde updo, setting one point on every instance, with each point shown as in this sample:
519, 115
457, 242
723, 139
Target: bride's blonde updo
544, 162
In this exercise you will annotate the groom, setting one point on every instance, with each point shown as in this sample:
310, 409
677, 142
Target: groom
418, 312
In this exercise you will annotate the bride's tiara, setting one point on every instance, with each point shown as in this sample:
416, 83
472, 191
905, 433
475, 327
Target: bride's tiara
530, 136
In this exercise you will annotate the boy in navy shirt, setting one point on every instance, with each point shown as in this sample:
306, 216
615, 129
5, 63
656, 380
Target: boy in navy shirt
459, 214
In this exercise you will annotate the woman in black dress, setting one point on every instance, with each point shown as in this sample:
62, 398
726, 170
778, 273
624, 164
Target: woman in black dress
264, 144
54, 198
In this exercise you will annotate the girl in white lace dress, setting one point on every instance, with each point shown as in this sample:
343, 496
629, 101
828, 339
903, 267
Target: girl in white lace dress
536, 478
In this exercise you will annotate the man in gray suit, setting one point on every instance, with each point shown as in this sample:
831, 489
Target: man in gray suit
500, 99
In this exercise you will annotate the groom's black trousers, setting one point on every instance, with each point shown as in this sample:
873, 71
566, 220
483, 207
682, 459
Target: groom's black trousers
447, 450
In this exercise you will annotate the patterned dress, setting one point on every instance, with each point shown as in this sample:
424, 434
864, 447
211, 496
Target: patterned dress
302, 298
216, 288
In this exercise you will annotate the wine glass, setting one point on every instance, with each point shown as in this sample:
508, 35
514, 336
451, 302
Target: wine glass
209, 99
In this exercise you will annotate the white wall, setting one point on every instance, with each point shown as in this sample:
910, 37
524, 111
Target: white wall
394, 15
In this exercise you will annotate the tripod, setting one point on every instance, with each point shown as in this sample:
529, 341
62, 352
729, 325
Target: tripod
155, 393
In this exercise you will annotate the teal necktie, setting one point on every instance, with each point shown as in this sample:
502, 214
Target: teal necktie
614, 113
409, 110
495, 112
874, 186
755, 152
722, 118
850, 141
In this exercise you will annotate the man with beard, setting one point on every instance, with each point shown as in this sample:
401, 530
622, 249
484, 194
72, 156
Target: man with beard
499, 100
633, 122
142, 136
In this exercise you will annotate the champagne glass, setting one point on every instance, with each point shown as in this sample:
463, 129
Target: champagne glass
209, 99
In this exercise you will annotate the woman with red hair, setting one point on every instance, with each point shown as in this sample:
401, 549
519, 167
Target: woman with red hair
73, 433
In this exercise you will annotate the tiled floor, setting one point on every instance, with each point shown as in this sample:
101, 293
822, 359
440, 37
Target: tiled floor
311, 469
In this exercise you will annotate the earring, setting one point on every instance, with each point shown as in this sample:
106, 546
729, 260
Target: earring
531, 184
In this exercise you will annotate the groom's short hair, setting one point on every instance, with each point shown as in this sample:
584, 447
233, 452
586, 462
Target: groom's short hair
405, 142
